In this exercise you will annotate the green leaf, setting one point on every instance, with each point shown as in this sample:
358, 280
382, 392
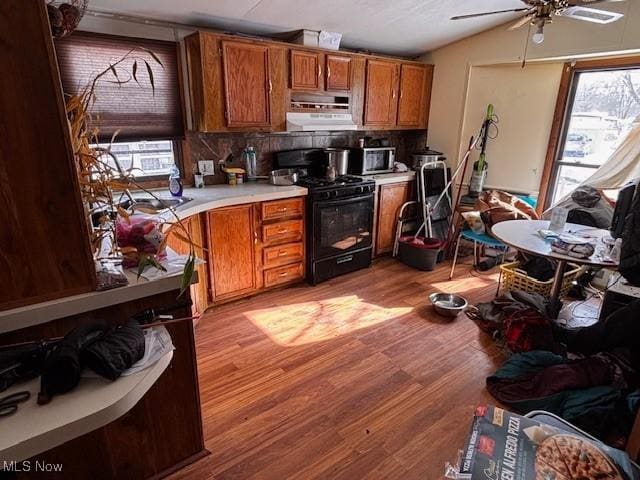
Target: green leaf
135, 71
187, 274
150, 72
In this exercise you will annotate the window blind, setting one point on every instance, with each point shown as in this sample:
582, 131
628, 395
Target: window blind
134, 109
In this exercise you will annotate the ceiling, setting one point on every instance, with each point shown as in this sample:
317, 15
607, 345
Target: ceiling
398, 27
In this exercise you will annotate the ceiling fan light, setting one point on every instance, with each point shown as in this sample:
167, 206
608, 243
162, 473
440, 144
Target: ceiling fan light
538, 36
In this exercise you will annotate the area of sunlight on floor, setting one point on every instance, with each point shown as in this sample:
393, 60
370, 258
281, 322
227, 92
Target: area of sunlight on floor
317, 321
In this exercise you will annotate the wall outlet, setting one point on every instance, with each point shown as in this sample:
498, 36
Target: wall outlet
206, 167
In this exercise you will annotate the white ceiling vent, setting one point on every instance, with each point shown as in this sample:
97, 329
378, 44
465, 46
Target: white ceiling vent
591, 14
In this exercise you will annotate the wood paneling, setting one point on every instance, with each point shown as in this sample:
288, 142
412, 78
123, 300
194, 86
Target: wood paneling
162, 431
338, 72
381, 97
411, 103
289, 207
356, 378
247, 84
554, 137
390, 199
291, 231
44, 241
306, 70
231, 250
279, 72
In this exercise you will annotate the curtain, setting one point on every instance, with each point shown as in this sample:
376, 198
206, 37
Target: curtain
134, 109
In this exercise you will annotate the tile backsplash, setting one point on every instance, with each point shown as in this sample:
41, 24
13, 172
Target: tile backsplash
217, 146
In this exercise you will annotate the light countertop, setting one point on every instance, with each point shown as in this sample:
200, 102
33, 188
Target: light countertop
96, 402
208, 198
218, 196
396, 177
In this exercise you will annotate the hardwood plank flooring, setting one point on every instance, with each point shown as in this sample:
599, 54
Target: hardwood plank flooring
356, 378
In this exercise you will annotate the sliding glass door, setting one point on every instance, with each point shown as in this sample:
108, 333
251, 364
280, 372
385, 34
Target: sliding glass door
603, 106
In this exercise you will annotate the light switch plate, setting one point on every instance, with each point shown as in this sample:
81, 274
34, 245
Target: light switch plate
206, 167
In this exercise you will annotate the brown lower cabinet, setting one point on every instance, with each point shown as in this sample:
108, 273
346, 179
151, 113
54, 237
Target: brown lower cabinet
232, 256
247, 248
390, 198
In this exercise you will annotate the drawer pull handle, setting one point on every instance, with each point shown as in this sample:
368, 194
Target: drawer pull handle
282, 230
282, 209
284, 274
282, 253
346, 259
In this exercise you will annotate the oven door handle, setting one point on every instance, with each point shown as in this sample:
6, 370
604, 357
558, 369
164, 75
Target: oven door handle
344, 201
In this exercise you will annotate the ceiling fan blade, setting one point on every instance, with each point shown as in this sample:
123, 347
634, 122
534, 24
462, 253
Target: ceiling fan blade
473, 15
521, 23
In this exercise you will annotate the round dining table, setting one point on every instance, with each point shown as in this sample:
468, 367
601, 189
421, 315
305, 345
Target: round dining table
524, 235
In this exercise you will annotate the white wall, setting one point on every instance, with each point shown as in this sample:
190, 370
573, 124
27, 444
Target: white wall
524, 101
457, 78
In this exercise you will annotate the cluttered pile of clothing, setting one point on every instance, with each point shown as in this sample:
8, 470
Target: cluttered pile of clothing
589, 376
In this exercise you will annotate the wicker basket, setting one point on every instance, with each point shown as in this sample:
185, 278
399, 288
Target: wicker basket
512, 278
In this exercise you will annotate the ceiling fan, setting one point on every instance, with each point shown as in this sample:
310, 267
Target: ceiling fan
538, 13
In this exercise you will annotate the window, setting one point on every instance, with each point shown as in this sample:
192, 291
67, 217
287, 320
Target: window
148, 121
602, 107
145, 159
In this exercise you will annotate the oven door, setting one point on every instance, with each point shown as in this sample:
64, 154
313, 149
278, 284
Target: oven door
342, 226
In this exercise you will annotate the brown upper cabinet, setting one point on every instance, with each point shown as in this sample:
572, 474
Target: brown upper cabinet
317, 71
338, 73
412, 102
381, 93
247, 84
306, 70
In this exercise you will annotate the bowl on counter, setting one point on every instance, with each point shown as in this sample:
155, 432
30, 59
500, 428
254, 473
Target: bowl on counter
283, 176
448, 304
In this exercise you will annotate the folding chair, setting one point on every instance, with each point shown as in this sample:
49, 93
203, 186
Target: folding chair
476, 238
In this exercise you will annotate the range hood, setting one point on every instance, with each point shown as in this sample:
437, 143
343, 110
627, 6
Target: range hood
309, 122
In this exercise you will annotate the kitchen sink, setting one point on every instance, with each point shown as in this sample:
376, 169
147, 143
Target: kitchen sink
158, 204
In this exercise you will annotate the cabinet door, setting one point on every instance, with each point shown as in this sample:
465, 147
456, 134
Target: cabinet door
338, 72
247, 84
381, 93
390, 199
306, 70
232, 237
411, 104
178, 241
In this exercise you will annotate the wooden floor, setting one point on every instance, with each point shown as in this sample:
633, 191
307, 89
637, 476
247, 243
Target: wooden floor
355, 378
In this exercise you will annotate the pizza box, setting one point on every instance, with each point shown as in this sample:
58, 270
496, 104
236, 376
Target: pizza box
506, 446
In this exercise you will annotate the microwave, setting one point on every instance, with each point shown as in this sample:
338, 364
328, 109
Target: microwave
369, 161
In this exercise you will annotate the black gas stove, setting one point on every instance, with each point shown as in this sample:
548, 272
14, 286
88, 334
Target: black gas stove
339, 216
344, 186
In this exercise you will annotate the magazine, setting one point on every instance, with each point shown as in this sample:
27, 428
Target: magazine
506, 446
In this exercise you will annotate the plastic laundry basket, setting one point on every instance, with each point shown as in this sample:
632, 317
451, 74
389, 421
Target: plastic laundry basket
419, 252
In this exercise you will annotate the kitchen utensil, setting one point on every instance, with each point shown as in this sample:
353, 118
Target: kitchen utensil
283, 176
9, 404
338, 158
448, 304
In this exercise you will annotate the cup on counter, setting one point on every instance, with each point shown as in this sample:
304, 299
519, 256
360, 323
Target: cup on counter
198, 180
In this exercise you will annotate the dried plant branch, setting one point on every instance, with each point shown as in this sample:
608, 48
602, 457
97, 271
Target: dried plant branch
103, 179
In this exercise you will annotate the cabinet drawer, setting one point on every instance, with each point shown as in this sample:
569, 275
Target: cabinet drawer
282, 208
283, 254
290, 231
279, 275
